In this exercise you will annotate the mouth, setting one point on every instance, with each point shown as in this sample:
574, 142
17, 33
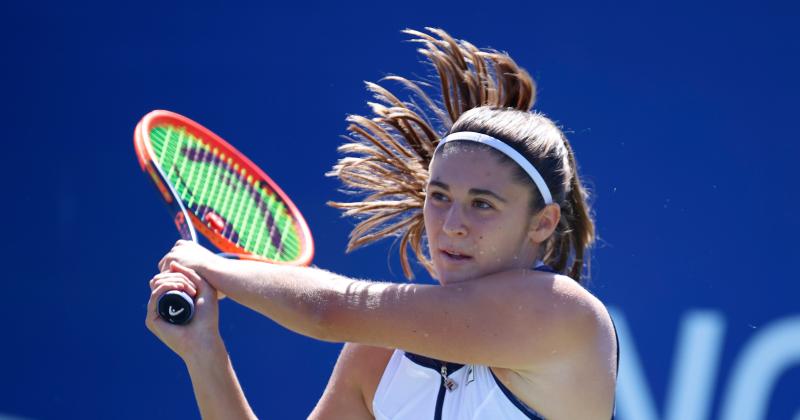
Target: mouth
454, 256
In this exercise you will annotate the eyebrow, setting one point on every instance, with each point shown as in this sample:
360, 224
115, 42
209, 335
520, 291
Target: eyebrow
472, 191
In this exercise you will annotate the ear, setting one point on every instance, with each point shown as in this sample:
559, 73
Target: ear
545, 223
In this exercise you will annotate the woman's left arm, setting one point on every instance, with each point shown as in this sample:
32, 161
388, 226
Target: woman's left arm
516, 319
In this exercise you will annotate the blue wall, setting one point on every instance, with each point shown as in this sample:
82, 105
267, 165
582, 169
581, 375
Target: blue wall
682, 118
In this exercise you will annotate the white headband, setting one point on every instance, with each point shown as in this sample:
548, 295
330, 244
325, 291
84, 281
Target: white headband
506, 150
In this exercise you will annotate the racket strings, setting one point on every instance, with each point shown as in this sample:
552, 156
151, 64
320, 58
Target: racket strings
207, 181
242, 215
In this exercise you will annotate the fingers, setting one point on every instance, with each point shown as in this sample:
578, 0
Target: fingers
168, 274
153, 320
163, 264
161, 285
170, 284
152, 313
188, 272
165, 287
203, 288
179, 281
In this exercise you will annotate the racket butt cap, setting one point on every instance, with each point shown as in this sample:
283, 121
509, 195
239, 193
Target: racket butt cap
176, 307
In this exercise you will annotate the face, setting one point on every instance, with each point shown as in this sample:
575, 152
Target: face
477, 217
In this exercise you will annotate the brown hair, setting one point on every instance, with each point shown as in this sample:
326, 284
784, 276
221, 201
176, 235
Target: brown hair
387, 156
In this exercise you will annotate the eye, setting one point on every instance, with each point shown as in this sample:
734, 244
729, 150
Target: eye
437, 196
482, 204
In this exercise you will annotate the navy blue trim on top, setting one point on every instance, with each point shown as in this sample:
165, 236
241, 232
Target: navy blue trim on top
437, 411
616, 336
433, 363
436, 365
527, 411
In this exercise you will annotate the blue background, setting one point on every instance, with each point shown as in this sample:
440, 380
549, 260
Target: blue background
683, 119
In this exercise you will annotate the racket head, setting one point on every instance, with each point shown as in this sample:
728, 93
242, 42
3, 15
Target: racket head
224, 195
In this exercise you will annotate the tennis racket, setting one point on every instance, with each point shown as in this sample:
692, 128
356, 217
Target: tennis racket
211, 187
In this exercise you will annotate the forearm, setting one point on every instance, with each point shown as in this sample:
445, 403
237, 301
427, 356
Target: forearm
216, 388
298, 298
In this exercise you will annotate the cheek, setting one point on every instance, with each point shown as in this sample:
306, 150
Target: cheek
431, 217
489, 242
431, 227
497, 239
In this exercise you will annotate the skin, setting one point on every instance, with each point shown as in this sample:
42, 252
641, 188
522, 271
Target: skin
555, 351
473, 208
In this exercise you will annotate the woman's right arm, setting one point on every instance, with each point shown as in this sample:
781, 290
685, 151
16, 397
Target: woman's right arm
216, 388
199, 344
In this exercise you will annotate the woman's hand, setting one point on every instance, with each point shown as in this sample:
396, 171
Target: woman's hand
190, 255
199, 339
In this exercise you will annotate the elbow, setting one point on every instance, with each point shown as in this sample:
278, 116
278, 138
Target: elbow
338, 313
325, 317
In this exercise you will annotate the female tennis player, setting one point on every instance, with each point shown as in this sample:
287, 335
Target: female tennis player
486, 194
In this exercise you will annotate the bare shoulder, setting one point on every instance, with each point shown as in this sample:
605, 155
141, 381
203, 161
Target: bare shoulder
578, 378
569, 302
590, 338
588, 375
564, 314
352, 385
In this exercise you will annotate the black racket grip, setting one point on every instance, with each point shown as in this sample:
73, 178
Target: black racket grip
176, 307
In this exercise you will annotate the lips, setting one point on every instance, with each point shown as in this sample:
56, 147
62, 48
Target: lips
452, 255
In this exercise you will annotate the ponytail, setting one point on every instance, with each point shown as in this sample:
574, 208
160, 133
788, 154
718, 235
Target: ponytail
568, 250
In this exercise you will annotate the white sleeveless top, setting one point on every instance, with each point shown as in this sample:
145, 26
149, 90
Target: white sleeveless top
413, 387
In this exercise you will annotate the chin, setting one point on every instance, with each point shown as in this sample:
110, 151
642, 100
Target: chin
448, 272
450, 277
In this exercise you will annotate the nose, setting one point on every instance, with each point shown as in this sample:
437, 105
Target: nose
454, 222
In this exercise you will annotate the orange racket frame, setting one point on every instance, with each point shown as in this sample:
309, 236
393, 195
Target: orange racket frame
148, 163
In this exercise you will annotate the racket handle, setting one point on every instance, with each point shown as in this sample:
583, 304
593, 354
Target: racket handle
176, 307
